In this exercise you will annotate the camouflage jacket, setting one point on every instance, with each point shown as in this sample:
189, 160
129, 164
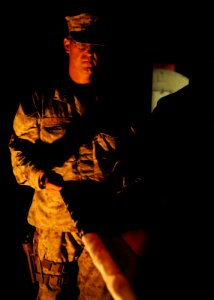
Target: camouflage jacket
72, 131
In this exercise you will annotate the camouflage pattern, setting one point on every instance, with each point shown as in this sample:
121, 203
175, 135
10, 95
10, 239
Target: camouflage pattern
81, 22
90, 284
52, 250
86, 28
48, 116
48, 209
57, 246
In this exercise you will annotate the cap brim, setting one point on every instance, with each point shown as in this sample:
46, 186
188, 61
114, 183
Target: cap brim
88, 37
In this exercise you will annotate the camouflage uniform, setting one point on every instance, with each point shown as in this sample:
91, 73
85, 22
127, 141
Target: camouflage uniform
56, 130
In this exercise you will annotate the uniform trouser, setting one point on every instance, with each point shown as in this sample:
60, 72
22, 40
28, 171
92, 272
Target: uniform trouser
65, 270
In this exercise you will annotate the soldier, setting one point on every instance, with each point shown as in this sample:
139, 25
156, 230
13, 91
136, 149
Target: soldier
72, 144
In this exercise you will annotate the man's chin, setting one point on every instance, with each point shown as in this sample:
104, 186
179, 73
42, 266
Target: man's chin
88, 69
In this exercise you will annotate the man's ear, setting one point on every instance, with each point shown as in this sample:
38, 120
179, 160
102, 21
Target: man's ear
67, 45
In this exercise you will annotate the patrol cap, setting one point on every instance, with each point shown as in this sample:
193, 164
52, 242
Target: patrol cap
87, 28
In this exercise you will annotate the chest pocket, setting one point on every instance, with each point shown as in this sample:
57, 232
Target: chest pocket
54, 128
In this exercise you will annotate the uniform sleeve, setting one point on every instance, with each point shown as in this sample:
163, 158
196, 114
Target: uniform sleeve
22, 144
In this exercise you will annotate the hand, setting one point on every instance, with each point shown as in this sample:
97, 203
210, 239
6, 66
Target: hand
51, 181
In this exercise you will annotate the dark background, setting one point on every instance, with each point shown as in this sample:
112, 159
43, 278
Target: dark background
31, 48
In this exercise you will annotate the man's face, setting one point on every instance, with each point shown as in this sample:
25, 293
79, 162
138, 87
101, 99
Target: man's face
83, 59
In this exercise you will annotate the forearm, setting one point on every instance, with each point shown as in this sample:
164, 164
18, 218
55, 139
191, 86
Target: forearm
26, 173
22, 148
